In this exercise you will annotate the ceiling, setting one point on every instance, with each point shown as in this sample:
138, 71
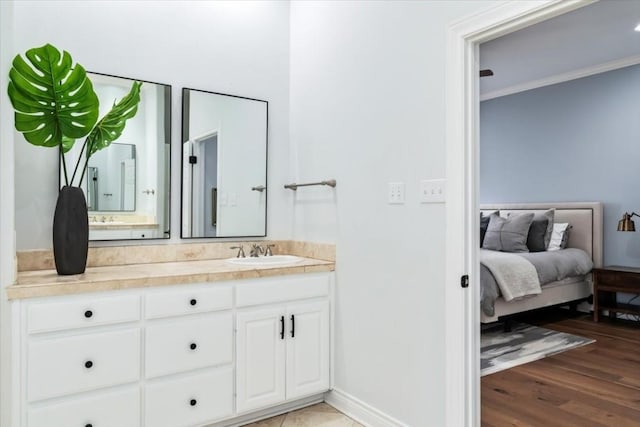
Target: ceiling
590, 36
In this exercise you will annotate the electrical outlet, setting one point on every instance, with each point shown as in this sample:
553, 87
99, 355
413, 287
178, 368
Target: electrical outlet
396, 193
433, 191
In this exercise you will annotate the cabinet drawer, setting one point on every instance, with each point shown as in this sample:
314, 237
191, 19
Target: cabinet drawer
190, 400
269, 291
191, 300
56, 367
183, 344
114, 409
619, 281
71, 313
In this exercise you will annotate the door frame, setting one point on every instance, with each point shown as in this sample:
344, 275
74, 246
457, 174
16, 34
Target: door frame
199, 148
462, 305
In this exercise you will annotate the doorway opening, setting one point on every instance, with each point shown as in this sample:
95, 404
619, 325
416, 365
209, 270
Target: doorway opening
200, 185
463, 173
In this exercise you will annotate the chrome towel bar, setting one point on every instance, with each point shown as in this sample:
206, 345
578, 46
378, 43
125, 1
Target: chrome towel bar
294, 186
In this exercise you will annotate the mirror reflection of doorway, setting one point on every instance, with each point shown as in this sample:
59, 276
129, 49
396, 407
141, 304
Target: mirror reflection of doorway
111, 179
201, 184
209, 148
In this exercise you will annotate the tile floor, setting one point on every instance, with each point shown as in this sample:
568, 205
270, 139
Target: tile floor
320, 415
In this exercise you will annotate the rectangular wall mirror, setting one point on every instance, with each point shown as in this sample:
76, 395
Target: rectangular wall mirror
224, 165
127, 184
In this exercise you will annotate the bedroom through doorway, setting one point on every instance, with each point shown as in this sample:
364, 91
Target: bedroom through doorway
557, 149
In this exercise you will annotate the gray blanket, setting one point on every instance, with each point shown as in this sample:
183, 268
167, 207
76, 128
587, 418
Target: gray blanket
515, 275
550, 266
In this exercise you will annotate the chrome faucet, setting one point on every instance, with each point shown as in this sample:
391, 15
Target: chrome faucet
240, 249
268, 251
256, 250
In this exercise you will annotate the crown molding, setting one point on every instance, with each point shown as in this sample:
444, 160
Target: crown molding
564, 77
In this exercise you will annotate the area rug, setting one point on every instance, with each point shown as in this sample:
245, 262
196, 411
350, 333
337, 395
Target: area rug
525, 343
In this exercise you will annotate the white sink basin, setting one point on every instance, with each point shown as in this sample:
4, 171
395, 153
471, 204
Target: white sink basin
266, 260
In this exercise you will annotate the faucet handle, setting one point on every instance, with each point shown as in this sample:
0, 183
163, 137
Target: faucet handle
256, 250
240, 249
268, 251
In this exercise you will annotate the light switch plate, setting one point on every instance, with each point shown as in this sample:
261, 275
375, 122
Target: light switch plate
433, 191
396, 193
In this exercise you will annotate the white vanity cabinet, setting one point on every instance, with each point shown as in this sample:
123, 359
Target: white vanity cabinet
172, 356
80, 361
188, 355
283, 348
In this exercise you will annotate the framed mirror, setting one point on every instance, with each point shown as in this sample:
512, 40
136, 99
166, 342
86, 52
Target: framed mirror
224, 165
127, 184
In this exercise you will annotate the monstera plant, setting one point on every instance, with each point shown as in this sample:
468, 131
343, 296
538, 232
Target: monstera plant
55, 105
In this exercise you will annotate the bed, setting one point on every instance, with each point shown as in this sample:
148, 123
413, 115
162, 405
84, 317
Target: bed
586, 234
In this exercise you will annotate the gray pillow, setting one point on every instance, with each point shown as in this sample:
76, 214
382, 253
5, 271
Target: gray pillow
508, 234
484, 223
540, 230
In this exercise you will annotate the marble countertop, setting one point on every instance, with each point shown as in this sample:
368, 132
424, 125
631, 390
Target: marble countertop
44, 283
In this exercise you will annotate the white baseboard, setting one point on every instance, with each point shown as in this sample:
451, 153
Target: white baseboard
360, 411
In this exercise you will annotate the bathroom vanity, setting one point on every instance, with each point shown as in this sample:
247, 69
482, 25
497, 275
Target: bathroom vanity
178, 344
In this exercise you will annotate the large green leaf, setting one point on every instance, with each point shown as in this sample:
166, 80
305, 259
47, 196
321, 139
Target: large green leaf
110, 127
52, 97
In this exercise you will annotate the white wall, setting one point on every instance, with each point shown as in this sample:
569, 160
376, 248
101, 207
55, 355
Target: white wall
7, 242
240, 48
368, 108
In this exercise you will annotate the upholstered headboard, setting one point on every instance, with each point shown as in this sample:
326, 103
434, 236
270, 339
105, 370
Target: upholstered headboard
584, 217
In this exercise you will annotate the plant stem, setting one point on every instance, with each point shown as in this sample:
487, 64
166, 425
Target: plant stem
64, 166
86, 163
78, 163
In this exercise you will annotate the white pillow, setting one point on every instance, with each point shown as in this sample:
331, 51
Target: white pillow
559, 236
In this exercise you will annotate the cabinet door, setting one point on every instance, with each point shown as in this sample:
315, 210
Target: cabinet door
308, 349
260, 348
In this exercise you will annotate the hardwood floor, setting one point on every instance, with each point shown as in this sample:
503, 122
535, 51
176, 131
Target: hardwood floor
591, 386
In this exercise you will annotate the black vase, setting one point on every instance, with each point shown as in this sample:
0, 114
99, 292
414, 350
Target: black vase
70, 231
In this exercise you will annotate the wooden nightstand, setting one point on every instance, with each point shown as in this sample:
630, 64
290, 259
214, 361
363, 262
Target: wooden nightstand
609, 280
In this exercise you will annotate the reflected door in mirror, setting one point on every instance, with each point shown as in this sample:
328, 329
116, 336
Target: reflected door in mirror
111, 179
